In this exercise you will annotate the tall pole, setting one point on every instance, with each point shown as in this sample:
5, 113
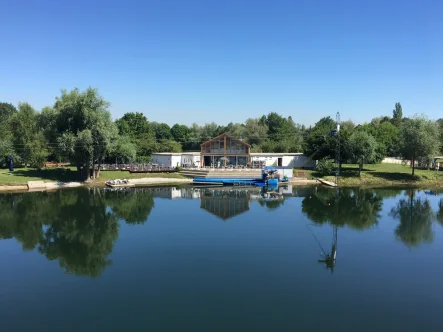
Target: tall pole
338, 156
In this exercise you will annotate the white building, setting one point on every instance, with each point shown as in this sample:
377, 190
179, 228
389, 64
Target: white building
167, 159
193, 159
190, 159
293, 160
172, 159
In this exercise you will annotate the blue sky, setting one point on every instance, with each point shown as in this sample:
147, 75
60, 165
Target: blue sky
202, 61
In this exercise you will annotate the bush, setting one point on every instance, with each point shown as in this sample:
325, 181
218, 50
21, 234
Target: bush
325, 167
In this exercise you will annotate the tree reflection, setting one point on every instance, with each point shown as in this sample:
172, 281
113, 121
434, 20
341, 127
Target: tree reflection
358, 209
82, 234
440, 212
22, 216
75, 227
134, 206
416, 216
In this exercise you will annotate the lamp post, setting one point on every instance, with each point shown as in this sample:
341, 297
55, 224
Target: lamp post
338, 157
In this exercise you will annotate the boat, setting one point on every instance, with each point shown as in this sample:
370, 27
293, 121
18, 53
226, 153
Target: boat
269, 178
119, 183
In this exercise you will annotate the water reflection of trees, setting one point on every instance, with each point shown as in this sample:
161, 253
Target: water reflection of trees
440, 212
415, 216
75, 227
356, 208
134, 206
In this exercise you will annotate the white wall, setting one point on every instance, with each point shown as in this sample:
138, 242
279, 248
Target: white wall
287, 161
287, 171
190, 159
167, 160
392, 160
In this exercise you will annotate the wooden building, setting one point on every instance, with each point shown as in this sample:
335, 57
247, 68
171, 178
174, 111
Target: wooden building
225, 150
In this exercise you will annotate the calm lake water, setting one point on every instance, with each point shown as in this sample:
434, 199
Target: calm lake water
171, 259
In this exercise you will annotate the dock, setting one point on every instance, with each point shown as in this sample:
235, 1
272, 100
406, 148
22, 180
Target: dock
328, 183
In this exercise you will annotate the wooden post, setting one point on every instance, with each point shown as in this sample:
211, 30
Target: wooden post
224, 161
201, 156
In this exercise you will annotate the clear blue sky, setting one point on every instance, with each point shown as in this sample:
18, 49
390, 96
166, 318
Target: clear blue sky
202, 61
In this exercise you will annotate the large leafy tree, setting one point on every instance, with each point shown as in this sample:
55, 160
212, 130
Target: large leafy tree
363, 146
209, 130
133, 125
28, 139
279, 128
6, 112
234, 129
255, 131
440, 127
123, 150
419, 140
161, 130
319, 142
141, 134
85, 128
397, 114
180, 133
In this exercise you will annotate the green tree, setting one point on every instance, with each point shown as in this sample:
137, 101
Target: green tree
440, 127
134, 125
279, 128
161, 130
397, 114
194, 138
208, 131
234, 129
123, 150
168, 145
325, 167
28, 139
137, 128
87, 131
255, 132
418, 140
6, 149
180, 133
318, 142
363, 146
6, 112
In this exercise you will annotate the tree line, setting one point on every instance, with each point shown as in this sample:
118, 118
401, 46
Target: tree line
79, 129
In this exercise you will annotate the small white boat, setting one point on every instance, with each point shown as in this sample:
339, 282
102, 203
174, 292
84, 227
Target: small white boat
119, 183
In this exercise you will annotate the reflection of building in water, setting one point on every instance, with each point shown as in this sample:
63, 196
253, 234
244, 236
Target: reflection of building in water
225, 204
174, 193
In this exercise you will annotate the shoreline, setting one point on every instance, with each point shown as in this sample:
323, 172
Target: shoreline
33, 186
43, 186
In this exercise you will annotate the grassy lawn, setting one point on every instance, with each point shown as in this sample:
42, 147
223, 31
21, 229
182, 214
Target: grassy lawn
69, 174
382, 174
